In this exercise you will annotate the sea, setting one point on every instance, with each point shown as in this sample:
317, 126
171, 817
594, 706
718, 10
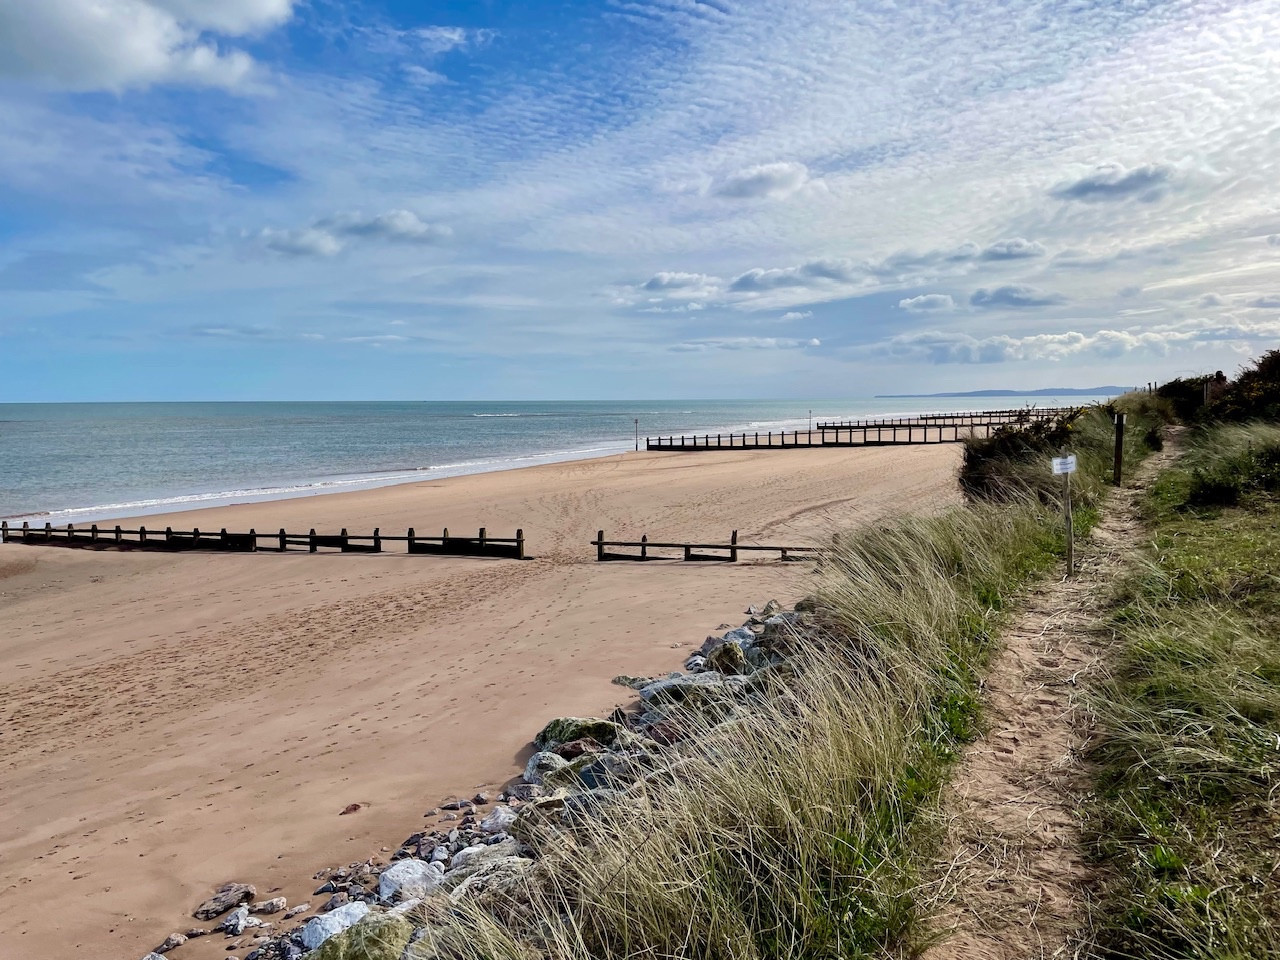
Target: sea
84, 462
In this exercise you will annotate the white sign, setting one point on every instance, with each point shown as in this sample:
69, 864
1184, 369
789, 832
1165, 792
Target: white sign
1064, 464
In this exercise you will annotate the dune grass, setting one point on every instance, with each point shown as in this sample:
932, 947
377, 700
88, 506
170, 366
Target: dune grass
792, 825
1186, 815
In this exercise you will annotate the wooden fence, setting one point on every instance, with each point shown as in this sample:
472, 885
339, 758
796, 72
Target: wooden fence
726, 552
1022, 414
117, 538
871, 434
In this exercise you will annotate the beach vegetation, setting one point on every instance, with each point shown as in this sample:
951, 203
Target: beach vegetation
801, 820
1186, 812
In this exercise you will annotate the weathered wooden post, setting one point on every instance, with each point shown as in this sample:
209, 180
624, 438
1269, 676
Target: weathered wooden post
733, 547
520, 543
71, 533
312, 540
168, 535
48, 530
26, 531
377, 540
93, 533
4, 531
253, 539
600, 544
482, 539
222, 537
195, 538
412, 537
1118, 465
644, 546
284, 540
344, 539
142, 534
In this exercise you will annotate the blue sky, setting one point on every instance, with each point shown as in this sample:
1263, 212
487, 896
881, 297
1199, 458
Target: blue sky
268, 199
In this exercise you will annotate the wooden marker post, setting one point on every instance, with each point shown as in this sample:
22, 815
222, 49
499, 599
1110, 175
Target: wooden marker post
1119, 458
1066, 465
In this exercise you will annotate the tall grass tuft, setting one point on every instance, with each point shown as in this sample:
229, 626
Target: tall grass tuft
1186, 812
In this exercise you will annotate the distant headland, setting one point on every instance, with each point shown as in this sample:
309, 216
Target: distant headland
1047, 392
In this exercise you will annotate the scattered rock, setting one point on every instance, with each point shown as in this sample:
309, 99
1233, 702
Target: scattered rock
170, 942
224, 898
455, 805
349, 808
480, 799
770, 608
296, 909
728, 658
153, 956
439, 854
319, 929
378, 936
466, 853
524, 792
576, 748
408, 879
327, 887
499, 820
196, 932
678, 687
334, 902
450, 816
236, 921
567, 729
274, 905
540, 764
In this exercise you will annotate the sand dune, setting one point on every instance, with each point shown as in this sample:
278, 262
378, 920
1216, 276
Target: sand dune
172, 722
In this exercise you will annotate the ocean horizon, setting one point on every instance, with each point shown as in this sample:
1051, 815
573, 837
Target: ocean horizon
84, 462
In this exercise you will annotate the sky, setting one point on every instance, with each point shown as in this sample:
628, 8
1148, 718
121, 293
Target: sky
551, 199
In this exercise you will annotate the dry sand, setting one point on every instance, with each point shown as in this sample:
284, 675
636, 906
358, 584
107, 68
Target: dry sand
171, 722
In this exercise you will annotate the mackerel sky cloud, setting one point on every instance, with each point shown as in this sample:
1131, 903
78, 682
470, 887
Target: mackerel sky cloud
631, 199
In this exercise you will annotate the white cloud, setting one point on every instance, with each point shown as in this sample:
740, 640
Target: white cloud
941, 347
793, 315
304, 242
325, 237
1015, 248
927, 303
1210, 300
1269, 302
1013, 295
434, 41
1274, 240
1112, 181
745, 343
772, 180
116, 44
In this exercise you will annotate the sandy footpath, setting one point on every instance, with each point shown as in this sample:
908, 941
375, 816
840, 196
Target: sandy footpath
168, 723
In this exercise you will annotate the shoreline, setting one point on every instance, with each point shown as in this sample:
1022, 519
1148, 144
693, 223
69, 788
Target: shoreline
347, 482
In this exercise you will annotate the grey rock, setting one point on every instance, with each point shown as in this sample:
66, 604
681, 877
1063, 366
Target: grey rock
224, 898
274, 905
480, 799
327, 887
770, 608
319, 929
336, 901
409, 879
236, 921
153, 956
696, 663
728, 658
540, 764
676, 688
499, 820
170, 942
466, 853
296, 909
440, 853
524, 792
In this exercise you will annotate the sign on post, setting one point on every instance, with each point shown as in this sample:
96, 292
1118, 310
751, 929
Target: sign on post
1066, 466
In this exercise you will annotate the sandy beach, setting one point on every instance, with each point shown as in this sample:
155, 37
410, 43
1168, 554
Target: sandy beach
171, 722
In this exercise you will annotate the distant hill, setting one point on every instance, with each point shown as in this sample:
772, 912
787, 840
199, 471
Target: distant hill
1047, 392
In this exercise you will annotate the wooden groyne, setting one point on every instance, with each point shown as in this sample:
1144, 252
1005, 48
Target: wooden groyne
1018, 415
870, 433
222, 541
724, 552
